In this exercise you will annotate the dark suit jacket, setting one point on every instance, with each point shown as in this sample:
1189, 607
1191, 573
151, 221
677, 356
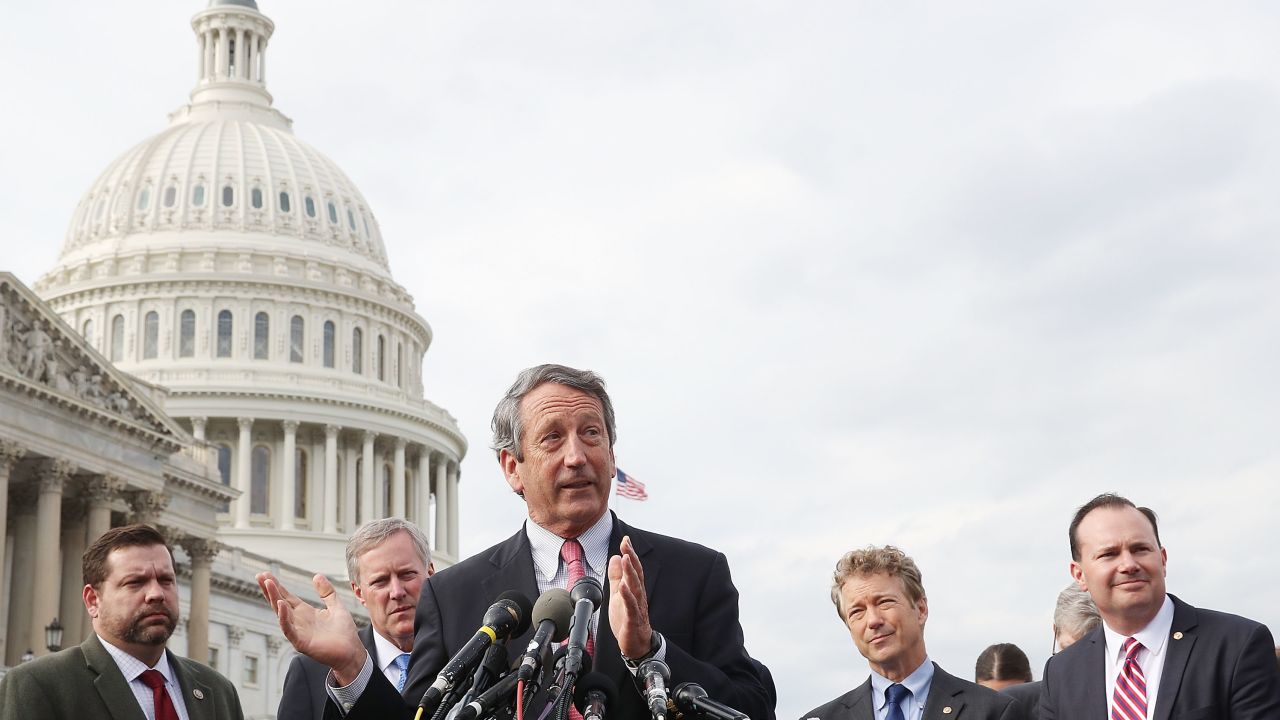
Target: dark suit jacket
1216, 666
950, 698
692, 602
85, 683
1027, 695
304, 696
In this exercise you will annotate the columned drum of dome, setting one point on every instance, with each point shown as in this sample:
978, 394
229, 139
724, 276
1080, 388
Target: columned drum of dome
233, 264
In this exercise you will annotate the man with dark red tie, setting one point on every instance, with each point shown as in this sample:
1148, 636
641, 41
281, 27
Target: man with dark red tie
131, 593
665, 598
1154, 657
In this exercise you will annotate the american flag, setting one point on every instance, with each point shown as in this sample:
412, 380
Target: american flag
629, 487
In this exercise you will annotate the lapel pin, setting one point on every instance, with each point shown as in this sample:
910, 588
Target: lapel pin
198, 693
1177, 635
946, 710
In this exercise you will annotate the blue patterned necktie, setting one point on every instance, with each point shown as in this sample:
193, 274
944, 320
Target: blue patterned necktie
402, 662
895, 694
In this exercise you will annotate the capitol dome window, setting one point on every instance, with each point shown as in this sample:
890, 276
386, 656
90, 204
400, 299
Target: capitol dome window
224, 334
351, 220
170, 196
144, 198
261, 336
333, 213
197, 196
151, 335
117, 339
224, 470
86, 331
255, 198
399, 365
296, 339
328, 343
310, 206
187, 334
284, 201
102, 205
228, 196
380, 359
365, 219
259, 480
300, 484
357, 351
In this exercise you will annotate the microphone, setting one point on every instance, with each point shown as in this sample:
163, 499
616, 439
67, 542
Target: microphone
691, 699
508, 616
655, 675
490, 699
551, 615
493, 665
587, 596
595, 692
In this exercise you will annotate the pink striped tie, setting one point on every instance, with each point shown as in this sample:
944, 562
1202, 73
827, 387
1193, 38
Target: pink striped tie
572, 555
1129, 702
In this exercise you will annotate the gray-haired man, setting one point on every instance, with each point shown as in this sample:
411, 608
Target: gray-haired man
387, 562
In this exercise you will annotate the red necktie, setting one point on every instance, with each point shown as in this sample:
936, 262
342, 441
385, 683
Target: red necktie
572, 555
1129, 702
163, 703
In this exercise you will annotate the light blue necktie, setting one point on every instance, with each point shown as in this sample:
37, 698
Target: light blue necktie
402, 662
895, 694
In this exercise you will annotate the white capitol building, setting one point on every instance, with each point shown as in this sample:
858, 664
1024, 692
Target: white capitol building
220, 349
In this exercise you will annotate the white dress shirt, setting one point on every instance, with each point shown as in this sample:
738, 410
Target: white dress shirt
386, 660
132, 669
1155, 639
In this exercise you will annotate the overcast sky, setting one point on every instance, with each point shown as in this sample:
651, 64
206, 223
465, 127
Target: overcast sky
922, 273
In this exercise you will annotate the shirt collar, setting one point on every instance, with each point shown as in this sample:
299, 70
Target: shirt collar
1152, 637
387, 650
545, 546
917, 682
131, 667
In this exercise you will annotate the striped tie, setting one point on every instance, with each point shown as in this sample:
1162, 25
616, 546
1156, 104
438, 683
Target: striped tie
402, 662
572, 555
1129, 702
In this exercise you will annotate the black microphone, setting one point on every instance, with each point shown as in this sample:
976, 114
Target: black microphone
587, 596
551, 616
493, 665
595, 692
508, 616
655, 674
490, 699
691, 699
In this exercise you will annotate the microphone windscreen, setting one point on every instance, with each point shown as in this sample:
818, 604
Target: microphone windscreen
588, 588
525, 610
555, 605
594, 681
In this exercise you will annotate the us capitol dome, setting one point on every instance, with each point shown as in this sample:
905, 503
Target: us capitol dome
240, 269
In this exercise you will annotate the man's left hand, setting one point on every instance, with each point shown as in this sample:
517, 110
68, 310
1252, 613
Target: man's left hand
628, 604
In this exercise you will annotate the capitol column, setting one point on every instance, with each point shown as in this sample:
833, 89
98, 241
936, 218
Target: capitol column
52, 475
71, 612
442, 504
351, 492
331, 478
240, 55
10, 454
453, 509
243, 470
424, 489
202, 551
367, 479
397, 481
288, 479
99, 492
197, 427
24, 566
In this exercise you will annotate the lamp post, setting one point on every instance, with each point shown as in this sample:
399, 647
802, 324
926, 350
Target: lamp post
53, 636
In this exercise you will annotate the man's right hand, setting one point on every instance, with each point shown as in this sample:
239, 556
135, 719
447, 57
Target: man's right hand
326, 635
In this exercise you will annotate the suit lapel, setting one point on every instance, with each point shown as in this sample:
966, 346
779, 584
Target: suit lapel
1095, 660
1177, 652
946, 697
198, 697
110, 683
859, 702
512, 570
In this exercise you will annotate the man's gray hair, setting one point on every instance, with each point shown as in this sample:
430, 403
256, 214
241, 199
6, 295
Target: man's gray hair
508, 426
372, 534
1075, 614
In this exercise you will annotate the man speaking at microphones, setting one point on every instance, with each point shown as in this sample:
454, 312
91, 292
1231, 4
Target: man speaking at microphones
664, 598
